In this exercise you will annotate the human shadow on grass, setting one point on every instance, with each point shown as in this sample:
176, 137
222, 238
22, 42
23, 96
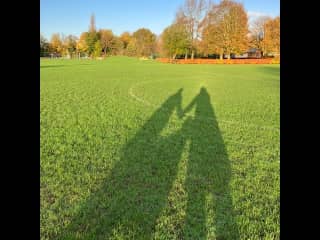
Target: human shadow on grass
208, 175
134, 195
136, 191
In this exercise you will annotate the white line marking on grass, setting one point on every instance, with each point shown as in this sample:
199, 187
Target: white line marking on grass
147, 103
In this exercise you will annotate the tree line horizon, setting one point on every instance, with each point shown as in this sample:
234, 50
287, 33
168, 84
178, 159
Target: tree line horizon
200, 29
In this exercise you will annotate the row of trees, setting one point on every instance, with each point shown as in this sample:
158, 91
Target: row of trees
200, 28
102, 42
205, 28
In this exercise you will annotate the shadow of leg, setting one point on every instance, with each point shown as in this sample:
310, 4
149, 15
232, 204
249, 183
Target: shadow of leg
208, 176
130, 200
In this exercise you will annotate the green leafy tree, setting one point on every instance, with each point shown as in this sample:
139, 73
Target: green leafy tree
192, 16
91, 39
44, 46
175, 40
92, 36
97, 49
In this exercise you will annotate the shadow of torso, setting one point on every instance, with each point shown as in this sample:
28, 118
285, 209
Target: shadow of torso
135, 193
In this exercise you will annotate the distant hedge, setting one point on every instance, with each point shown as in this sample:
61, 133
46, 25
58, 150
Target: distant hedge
220, 61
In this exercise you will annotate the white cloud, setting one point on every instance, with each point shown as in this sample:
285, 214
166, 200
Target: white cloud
252, 15
255, 14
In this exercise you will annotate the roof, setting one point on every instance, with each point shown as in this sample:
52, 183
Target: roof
253, 50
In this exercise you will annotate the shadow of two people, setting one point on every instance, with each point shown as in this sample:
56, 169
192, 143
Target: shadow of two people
136, 192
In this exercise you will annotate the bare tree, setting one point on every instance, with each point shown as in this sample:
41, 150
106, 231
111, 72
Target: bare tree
92, 27
192, 15
258, 31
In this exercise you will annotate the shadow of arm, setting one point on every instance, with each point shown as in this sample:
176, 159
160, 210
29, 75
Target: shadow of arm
188, 108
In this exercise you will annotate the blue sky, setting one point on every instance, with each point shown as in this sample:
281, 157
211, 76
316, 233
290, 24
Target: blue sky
73, 16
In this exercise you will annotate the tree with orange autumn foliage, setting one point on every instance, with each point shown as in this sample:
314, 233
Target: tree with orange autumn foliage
56, 43
106, 39
226, 29
82, 46
125, 37
271, 38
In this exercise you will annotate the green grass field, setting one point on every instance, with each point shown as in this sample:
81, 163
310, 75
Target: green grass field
136, 149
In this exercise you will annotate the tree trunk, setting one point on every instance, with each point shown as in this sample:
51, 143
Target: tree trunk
186, 55
192, 54
229, 56
174, 56
221, 56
